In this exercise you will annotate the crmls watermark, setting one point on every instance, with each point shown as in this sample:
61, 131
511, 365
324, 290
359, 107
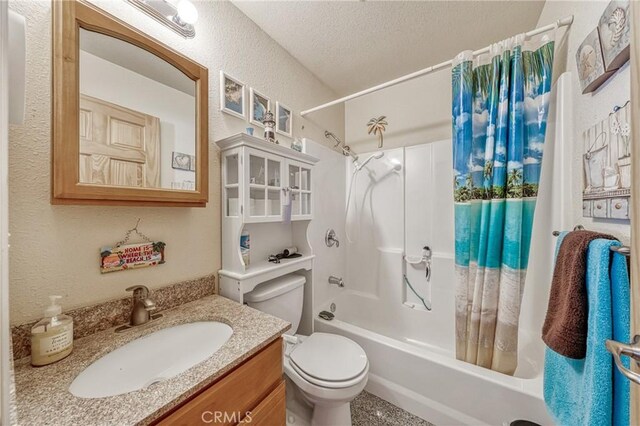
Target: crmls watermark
213, 417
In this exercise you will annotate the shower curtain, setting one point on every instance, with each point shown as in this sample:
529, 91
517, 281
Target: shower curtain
500, 108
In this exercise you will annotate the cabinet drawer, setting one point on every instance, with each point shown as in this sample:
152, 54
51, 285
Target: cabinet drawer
228, 400
600, 208
619, 208
271, 411
586, 208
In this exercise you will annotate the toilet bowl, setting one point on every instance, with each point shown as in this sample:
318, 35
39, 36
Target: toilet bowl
328, 370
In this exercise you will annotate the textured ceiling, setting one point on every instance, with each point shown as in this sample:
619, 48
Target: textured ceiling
354, 45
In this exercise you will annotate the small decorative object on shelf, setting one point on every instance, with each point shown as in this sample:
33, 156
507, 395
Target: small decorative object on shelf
297, 145
607, 166
269, 125
131, 256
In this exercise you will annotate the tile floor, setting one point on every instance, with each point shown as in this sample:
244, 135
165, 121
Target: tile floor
369, 410
366, 410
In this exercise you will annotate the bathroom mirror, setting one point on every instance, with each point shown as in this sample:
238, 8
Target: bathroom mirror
129, 116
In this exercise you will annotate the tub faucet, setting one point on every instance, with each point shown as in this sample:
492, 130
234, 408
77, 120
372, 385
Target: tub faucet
142, 305
336, 280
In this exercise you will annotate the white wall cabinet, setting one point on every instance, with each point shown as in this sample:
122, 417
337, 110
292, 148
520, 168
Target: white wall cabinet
257, 175
256, 178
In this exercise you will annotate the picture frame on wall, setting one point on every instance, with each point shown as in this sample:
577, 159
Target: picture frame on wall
284, 120
615, 34
590, 63
259, 104
232, 96
180, 161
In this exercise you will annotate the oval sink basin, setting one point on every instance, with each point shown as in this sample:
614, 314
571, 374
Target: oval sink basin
151, 359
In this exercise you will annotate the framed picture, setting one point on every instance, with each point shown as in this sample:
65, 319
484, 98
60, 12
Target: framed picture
181, 161
615, 34
232, 99
590, 63
284, 120
259, 105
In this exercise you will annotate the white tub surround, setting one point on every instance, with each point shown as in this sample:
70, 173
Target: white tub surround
410, 348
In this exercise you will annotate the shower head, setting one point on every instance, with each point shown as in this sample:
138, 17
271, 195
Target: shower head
375, 156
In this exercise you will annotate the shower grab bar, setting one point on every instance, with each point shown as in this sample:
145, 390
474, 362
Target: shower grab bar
623, 250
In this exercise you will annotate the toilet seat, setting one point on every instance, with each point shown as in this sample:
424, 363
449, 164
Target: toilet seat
329, 361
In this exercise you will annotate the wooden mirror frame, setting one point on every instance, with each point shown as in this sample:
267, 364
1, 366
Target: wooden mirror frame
68, 18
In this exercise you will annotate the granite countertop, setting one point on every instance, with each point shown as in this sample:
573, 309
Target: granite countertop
42, 395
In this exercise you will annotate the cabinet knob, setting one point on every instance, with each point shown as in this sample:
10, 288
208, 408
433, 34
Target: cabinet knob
618, 206
599, 206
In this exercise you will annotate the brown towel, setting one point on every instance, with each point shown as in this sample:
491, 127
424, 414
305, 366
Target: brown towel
565, 327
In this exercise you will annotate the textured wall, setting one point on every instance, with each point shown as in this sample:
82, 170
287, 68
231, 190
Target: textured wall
54, 249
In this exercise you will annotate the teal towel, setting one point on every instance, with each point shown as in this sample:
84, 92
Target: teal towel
621, 302
587, 391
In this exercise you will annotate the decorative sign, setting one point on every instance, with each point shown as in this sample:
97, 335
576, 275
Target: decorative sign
607, 166
132, 256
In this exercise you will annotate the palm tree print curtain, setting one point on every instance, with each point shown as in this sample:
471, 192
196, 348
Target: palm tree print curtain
500, 106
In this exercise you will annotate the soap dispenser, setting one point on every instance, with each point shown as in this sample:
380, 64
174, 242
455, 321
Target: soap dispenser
52, 336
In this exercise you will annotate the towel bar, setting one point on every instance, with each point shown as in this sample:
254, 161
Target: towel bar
623, 250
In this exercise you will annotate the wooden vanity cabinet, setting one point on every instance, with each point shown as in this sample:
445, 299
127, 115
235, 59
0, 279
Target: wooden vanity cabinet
253, 394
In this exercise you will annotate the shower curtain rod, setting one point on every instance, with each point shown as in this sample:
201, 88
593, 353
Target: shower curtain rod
559, 23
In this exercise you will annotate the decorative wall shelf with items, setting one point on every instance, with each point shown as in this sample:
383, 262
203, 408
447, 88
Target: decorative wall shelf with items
266, 188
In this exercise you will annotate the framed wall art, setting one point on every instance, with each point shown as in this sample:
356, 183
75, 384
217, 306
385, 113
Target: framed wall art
607, 166
232, 96
615, 33
590, 63
284, 120
259, 104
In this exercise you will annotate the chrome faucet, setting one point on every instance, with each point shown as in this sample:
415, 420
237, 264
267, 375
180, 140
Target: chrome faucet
142, 305
336, 280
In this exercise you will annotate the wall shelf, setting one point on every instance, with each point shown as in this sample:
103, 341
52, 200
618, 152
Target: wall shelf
264, 271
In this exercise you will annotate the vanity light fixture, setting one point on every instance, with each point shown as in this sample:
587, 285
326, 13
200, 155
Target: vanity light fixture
179, 15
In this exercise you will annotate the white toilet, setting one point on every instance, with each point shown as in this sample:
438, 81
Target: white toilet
329, 370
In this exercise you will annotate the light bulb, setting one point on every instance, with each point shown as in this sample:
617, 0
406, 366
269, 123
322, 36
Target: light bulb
187, 12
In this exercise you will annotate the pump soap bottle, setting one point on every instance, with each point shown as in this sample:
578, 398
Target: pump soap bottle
52, 336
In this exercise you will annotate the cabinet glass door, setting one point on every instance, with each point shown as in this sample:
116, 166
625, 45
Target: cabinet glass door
265, 187
300, 184
232, 184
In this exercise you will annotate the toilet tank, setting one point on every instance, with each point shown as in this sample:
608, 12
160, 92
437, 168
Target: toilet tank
281, 297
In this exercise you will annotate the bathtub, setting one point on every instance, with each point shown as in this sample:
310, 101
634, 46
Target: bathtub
411, 348
430, 383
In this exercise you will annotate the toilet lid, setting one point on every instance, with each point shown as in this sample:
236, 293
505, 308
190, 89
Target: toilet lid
329, 357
